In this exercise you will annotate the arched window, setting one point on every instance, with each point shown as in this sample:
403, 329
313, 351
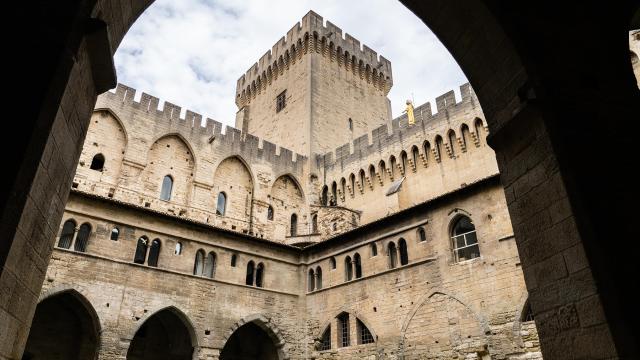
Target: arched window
311, 281
382, 169
210, 265
404, 255
343, 330
97, 163
318, 278
314, 223
403, 161
348, 270
234, 259
464, 134
364, 335
178, 249
325, 343
426, 146
154, 253
198, 266
343, 187
334, 194
357, 264
324, 200
439, 146
352, 180
374, 249
294, 225
393, 255
415, 155
464, 239
167, 185
270, 213
452, 142
250, 270
350, 124
259, 274
422, 235
66, 236
479, 129
392, 165
83, 238
333, 263
141, 250
115, 232
372, 173
222, 204
362, 179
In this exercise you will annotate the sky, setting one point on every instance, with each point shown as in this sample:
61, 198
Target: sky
192, 52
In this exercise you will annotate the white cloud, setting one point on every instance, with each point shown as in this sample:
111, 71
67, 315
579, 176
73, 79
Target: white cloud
192, 52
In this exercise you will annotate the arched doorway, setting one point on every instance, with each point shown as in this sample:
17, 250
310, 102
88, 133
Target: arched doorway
65, 327
250, 341
166, 335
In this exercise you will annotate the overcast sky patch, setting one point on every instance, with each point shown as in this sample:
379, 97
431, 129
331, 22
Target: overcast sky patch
192, 52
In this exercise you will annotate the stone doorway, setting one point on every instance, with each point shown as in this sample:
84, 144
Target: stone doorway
65, 327
249, 342
163, 336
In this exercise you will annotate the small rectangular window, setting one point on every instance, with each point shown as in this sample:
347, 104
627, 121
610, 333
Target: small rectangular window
281, 101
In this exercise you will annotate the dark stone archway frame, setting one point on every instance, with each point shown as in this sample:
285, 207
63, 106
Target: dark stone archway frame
555, 84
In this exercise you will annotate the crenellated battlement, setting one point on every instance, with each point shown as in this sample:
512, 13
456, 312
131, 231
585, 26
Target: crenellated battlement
382, 137
312, 35
167, 120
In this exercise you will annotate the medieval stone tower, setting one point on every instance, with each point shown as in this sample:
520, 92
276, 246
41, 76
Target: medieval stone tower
314, 90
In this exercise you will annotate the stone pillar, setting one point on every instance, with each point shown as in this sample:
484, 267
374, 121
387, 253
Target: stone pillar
562, 289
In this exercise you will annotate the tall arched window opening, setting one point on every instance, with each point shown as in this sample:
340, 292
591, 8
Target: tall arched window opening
452, 142
154, 253
178, 249
167, 186
210, 265
352, 180
311, 280
250, 271
393, 255
324, 199
348, 270
333, 263
404, 255
83, 238
198, 266
374, 249
234, 259
270, 213
314, 223
464, 239
141, 250
343, 330
66, 236
318, 278
294, 225
334, 194
259, 275
221, 206
357, 264
415, 155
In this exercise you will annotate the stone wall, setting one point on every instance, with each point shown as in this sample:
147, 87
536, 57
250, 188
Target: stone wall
481, 299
